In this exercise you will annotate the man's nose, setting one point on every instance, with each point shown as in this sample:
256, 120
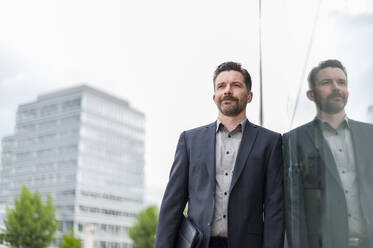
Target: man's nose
228, 90
336, 86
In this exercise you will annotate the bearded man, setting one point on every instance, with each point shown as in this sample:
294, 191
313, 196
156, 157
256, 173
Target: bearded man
329, 170
229, 172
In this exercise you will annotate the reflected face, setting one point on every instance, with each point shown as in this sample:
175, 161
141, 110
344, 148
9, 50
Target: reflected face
330, 93
231, 94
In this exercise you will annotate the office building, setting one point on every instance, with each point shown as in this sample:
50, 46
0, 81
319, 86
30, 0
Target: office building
85, 148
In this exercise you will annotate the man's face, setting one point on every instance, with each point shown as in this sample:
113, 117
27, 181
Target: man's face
330, 93
231, 94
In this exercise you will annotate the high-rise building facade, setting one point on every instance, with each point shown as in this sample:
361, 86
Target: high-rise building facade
85, 148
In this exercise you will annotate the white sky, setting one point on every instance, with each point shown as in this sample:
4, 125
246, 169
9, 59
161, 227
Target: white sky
160, 55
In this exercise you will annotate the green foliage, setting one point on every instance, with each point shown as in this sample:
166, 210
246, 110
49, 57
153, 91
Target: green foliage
31, 223
143, 232
70, 241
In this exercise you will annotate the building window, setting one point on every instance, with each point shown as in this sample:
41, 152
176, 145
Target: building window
47, 125
48, 110
71, 104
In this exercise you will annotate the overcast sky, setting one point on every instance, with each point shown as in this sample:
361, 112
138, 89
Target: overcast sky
160, 56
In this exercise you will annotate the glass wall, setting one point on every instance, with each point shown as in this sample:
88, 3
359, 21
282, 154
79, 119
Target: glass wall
327, 138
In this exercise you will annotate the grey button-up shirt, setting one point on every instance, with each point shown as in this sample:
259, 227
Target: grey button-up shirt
340, 143
226, 149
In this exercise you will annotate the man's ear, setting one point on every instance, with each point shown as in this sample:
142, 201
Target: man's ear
249, 96
311, 95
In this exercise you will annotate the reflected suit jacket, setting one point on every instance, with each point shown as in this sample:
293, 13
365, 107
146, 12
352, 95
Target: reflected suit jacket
316, 210
256, 188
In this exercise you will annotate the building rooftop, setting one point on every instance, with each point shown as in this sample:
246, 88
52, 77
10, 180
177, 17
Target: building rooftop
83, 88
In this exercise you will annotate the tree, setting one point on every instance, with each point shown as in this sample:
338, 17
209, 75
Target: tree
143, 232
30, 223
70, 241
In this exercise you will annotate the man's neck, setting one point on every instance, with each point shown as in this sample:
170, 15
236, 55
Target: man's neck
334, 120
231, 122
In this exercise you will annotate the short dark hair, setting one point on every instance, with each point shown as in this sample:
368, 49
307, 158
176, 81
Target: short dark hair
322, 65
233, 66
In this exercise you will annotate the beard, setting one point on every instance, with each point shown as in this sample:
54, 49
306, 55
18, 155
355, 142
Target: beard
235, 107
328, 105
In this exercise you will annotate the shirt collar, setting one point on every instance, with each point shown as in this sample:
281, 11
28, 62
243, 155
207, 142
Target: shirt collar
324, 124
241, 125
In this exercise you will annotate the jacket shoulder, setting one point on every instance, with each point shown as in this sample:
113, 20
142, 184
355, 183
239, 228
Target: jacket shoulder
299, 130
266, 131
200, 130
361, 124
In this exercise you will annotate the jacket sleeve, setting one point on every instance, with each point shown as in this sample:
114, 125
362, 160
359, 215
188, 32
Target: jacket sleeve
295, 222
174, 198
274, 198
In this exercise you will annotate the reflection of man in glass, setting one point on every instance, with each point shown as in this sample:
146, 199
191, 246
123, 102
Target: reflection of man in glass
329, 170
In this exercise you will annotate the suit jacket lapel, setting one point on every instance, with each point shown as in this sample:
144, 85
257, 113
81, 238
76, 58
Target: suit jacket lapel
248, 139
210, 151
357, 137
315, 134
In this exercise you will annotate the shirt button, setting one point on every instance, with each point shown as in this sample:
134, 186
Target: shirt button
224, 216
227, 152
346, 191
229, 136
340, 150
226, 173
225, 193
343, 172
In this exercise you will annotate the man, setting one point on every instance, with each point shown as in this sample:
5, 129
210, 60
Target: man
229, 173
329, 170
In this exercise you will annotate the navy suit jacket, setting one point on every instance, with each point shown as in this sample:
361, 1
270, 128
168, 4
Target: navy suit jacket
255, 206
